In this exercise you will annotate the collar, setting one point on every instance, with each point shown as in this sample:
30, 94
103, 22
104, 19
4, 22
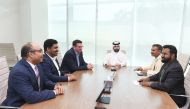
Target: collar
76, 52
52, 58
159, 57
32, 65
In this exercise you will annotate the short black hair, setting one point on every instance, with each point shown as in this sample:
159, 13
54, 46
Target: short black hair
76, 41
173, 49
158, 46
49, 43
25, 50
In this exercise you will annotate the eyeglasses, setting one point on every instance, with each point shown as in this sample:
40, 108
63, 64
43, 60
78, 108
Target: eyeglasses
40, 50
80, 46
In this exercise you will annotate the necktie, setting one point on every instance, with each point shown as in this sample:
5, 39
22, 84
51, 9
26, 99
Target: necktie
57, 66
37, 76
57, 62
78, 62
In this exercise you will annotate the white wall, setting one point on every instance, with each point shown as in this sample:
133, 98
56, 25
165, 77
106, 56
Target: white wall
9, 22
34, 20
39, 20
185, 41
23, 21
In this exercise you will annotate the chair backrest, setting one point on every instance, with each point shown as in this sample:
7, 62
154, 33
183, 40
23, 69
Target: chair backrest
187, 83
4, 73
187, 88
8, 50
183, 60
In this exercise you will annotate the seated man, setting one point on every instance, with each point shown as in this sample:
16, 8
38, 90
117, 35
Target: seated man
156, 64
27, 83
73, 59
50, 63
116, 58
170, 78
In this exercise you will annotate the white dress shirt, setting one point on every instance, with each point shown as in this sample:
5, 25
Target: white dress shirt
35, 68
155, 66
114, 58
55, 63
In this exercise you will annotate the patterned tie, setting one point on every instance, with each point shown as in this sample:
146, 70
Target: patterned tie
37, 76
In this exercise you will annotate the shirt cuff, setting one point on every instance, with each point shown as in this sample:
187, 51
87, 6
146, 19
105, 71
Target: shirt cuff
68, 78
54, 92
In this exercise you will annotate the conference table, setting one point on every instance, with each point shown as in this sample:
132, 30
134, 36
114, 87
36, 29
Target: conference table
125, 93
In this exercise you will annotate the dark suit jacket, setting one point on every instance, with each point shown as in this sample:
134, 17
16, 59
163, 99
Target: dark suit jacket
51, 71
23, 86
69, 63
172, 81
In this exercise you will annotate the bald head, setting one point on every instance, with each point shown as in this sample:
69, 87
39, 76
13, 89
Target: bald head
32, 52
26, 48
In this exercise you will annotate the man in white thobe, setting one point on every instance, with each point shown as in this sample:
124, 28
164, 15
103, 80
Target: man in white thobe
116, 58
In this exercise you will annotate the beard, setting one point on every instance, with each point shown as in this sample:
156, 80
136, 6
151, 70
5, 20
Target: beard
116, 50
164, 60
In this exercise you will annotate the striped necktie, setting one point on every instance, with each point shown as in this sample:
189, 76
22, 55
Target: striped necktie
37, 76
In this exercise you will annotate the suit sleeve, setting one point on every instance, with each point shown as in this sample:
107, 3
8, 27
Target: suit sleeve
155, 77
48, 83
54, 78
24, 88
173, 78
71, 63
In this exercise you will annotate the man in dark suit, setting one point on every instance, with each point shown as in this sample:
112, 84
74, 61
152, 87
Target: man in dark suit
170, 78
73, 59
27, 83
50, 63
